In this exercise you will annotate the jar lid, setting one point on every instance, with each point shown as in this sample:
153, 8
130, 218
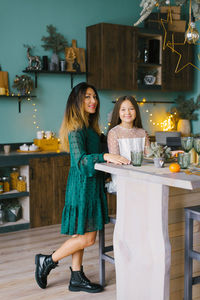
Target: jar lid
5, 178
14, 169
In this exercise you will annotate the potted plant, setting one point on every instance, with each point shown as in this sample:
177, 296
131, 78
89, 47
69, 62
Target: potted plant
56, 42
185, 112
159, 153
148, 76
23, 83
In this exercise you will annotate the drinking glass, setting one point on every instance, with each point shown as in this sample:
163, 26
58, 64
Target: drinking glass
184, 160
187, 143
136, 158
197, 148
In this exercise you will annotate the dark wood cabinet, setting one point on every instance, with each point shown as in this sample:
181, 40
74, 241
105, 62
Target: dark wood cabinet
111, 56
48, 178
115, 59
183, 80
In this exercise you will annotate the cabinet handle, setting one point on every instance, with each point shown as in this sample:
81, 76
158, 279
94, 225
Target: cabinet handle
31, 173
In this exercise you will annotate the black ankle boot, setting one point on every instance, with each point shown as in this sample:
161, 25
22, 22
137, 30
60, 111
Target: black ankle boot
44, 264
79, 282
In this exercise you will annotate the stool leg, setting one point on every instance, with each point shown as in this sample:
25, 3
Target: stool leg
101, 260
188, 259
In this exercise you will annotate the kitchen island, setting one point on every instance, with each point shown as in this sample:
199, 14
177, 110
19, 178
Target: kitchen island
149, 231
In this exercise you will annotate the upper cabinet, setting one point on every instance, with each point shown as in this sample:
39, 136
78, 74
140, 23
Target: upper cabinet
123, 57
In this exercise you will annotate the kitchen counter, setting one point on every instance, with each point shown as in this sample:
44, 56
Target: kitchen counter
149, 231
15, 158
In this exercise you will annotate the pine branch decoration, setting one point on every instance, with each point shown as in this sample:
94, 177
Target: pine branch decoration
54, 41
185, 109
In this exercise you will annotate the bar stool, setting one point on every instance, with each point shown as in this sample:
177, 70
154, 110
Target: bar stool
191, 213
102, 253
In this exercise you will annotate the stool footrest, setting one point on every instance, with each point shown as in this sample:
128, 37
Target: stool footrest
108, 249
108, 258
195, 280
194, 255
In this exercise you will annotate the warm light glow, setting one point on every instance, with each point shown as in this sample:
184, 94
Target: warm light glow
167, 124
144, 100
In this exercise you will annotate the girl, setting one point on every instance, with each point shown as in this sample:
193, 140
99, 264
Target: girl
85, 209
125, 133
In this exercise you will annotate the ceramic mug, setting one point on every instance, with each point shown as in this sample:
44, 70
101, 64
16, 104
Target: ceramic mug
48, 134
40, 135
6, 149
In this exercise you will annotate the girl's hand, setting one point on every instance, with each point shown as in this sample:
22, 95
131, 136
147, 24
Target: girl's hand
116, 159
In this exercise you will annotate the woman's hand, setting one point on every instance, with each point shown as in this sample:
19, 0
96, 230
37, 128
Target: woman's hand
116, 159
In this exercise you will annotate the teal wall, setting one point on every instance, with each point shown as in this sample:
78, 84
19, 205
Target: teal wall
24, 22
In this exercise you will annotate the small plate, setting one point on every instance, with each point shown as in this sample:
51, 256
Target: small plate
27, 151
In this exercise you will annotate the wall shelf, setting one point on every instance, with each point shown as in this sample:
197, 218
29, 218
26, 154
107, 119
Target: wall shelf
36, 72
20, 98
13, 194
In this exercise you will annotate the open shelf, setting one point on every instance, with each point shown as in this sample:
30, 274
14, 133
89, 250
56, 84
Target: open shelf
13, 194
36, 72
14, 226
20, 98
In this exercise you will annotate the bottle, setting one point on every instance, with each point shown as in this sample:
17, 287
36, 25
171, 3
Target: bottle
13, 178
21, 184
6, 184
1, 186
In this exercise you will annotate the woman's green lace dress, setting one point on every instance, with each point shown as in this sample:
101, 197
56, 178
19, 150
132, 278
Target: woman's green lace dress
85, 202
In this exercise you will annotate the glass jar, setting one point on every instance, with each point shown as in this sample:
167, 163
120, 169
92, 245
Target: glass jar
1, 186
21, 184
13, 178
6, 184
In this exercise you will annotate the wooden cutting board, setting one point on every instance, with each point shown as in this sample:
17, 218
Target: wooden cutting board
80, 55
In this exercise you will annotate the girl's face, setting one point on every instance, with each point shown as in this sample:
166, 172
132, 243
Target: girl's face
127, 113
90, 101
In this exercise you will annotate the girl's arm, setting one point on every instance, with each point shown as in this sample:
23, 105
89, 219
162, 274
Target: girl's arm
113, 145
147, 143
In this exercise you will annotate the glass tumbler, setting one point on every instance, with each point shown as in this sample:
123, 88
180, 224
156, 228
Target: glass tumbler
136, 158
184, 160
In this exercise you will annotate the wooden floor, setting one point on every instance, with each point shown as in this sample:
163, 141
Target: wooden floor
17, 267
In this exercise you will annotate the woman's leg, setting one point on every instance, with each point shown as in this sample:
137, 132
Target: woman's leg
77, 259
74, 244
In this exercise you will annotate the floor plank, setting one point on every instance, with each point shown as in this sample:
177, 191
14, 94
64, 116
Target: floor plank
17, 251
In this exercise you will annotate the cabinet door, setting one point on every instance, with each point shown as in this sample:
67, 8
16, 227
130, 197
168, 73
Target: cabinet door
48, 177
183, 80
111, 56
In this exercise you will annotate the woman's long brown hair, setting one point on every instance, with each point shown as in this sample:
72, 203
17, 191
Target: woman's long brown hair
75, 117
115, 120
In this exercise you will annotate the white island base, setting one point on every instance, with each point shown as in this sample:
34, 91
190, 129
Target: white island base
149, 261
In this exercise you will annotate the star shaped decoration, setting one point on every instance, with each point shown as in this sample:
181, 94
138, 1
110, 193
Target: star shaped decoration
178, 68
163, 21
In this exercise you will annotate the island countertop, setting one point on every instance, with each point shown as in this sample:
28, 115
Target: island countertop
148, 172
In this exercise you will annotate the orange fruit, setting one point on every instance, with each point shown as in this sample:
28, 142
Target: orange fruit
174, 168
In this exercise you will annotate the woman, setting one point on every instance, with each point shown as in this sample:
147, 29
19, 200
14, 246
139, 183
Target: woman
85, 210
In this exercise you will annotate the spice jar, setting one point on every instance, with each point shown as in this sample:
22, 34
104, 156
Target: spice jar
13, 178
21, 184
6, 184
1, 186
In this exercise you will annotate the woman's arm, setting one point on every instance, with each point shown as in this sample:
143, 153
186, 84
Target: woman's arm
84, 162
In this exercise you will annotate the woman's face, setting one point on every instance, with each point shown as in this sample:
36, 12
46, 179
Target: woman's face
127, 112
90, 101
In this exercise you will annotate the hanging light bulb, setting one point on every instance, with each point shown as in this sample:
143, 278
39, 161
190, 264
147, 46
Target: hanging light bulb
192, 34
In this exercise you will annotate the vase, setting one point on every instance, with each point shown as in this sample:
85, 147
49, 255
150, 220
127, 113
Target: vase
159, 162
184, 127
55, 61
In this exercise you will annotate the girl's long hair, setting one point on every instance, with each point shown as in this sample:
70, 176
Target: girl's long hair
115, 120
75, 117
